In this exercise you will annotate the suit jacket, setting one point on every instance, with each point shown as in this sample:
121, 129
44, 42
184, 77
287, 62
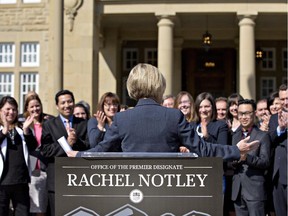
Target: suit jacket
279, 144
29, 143
52, 130
217, 130
150, 127
249, 176
94, 134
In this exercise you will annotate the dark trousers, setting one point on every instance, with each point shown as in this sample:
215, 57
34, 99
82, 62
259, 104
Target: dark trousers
244, 207
51, 202
19, 195
280, 199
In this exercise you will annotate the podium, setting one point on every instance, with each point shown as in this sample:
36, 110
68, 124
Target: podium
122, 184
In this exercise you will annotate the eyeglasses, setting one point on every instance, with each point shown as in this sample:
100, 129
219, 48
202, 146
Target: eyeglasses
111, 105
245, 114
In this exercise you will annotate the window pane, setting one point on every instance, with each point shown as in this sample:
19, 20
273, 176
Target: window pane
151, 56
130, 58
284, 60
7, 54
268, 85
31, 1
30, 54
269, 59
6, 84
28, 82
8, 1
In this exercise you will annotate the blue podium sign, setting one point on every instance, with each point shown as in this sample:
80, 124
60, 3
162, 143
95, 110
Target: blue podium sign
125, 184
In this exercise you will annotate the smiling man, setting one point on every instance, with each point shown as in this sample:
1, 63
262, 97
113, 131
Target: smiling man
65, 124
248, 188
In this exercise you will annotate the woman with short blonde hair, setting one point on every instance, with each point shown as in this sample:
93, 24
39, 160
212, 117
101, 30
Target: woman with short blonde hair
146, 81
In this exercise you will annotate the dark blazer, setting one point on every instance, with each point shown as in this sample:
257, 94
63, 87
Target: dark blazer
94, 134
279, 144
217, 130
150, 127
52, 130
249, 176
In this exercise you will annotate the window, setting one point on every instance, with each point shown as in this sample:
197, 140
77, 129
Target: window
267, 85
6, 84
130, 59
30, 54
31, 1
284, 59
284, 80
28, 82
7, 55
151, 56
268, 60
8, 1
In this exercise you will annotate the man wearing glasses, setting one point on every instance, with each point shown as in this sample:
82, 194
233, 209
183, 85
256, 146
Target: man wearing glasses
248, 186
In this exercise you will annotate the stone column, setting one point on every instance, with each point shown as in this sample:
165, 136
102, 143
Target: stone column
55, 78
247, 70
177, 77
108, 56
165, 49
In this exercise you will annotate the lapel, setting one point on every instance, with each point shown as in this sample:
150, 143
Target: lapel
75, 123
59, 124
237, 136
253, 134
213, 127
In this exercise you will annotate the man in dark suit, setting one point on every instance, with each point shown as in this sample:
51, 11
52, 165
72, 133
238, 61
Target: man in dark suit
278, 132
150, 127
248, 187
67, 125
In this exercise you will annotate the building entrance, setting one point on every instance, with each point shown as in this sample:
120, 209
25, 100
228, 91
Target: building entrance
211, 71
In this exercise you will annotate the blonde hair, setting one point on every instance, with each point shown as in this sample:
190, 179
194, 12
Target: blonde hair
192, 115
146, 81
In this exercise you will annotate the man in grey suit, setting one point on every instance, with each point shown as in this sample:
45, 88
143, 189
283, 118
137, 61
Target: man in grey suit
248, 186
150, 127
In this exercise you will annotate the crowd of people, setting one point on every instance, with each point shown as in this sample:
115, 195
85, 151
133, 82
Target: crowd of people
250, 136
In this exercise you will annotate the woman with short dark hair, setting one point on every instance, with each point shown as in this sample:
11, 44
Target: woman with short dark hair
108, 106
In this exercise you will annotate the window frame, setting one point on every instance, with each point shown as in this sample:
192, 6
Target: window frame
273, 88
273, 59
153, 61
30, 86
31, 1
12, 54
284, 60
8, 1
30, 54
125, 51
7, 84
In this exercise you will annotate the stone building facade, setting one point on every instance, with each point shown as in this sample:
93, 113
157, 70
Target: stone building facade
89, 46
